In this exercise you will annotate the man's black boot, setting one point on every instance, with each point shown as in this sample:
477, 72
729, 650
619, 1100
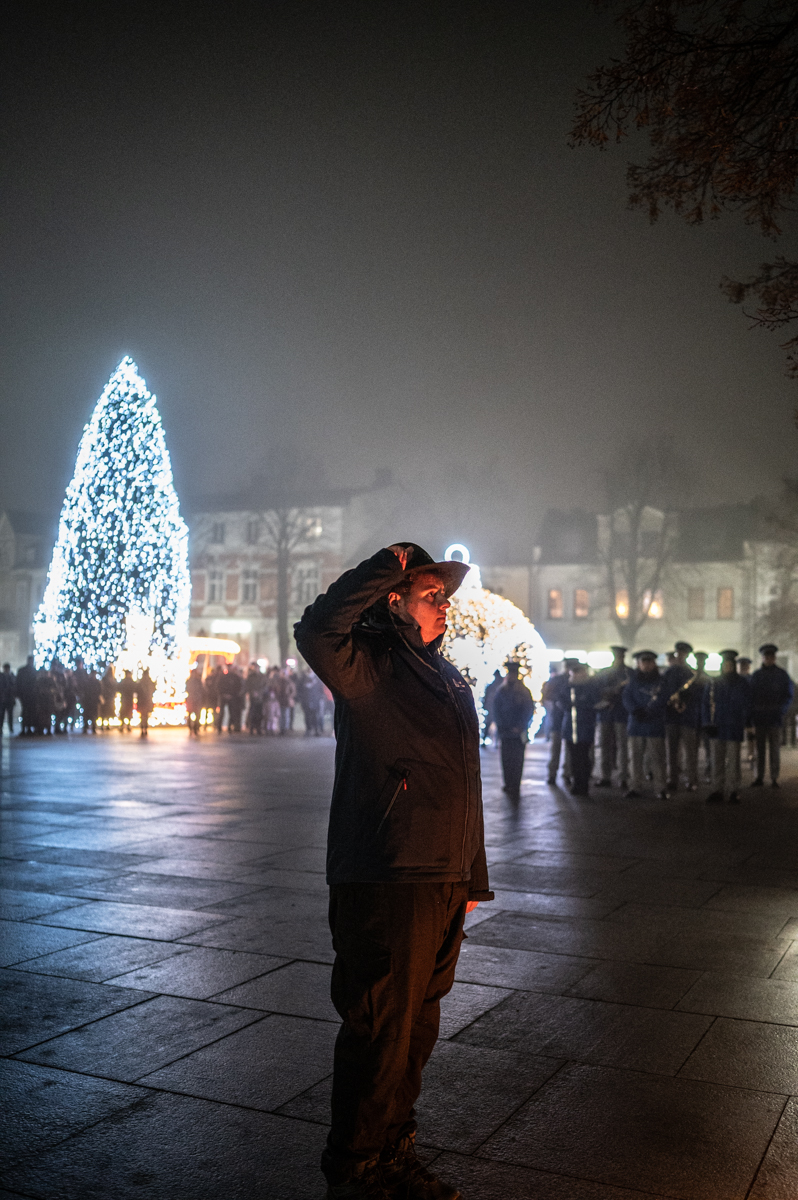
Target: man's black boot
407, 1178
365, 1183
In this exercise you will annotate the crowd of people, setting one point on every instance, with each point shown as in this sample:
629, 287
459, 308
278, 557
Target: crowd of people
643, 725
260, 702
56, 700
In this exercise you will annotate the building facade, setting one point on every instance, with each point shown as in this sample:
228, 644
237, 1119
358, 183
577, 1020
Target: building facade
234, 573
715, 591
25, 547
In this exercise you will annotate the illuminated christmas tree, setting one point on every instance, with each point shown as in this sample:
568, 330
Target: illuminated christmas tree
118, 588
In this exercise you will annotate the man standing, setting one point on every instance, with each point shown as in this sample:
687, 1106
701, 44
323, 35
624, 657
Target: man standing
555, 696
405, 853
644, 699
727, 712
145, 687
513, 708
8, 697
579, 725
487, 702
771, 696
27, 691
613, 744
676, 681
690, 700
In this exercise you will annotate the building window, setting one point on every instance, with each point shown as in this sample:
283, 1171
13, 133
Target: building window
555, 604
653, 605
581, 603
622, 603
215, 584
198, 587
250, 587
725, 604
306, 584
231, 588
252, 532
217, 532
696, 604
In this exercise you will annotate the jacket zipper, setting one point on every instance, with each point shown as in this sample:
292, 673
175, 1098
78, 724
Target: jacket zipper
401, 784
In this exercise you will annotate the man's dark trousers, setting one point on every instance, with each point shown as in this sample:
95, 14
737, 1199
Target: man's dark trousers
513, 749
396, 947
768, 741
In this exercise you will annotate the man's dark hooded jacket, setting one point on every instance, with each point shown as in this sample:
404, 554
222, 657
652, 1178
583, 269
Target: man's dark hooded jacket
407, 802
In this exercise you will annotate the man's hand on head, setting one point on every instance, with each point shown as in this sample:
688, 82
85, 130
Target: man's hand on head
401, 553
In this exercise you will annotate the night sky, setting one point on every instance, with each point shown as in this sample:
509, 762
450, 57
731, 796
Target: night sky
359, 229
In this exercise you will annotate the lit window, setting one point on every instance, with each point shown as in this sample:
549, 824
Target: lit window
622, 603
696, 604
555, 604
253, 532
250, 595
215, 581
217, 532
581, 603
653, 604
725, 604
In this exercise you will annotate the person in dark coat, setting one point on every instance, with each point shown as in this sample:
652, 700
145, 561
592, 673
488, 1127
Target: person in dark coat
613, 743
689, 700
726, 714
513, 709
145, 687
195, 700
26, 694
555, 696
405, 852
677, 733
8, 697
127, 696
487, 702
644, 699
91, 688
771, 696
45, 701
579, 725
108, 694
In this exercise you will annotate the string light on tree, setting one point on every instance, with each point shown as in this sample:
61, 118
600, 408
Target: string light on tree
484, 630
118, 588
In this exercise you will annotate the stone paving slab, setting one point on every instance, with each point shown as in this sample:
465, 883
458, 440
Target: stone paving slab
623, 1022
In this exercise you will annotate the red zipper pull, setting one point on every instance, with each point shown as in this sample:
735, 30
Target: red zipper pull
404, 783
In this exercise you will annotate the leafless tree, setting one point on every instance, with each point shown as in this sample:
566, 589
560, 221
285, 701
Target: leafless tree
713, 84
283, 495
637, 533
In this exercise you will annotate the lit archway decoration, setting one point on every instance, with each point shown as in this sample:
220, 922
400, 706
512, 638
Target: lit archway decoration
484, 630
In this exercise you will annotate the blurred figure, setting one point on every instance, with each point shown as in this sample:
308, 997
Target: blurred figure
253, 686
556, 697
214, 685
488, 698
26, 693
579, 725
108, 692
676, 681
513, 708
287, 701
63, 702
45, 701
145, 687
727, 712
692, 699
771, 696
127, 694
613, 744
744, 671
644, 699
232, 689
8, 697
273, 692
91, 689
195, 700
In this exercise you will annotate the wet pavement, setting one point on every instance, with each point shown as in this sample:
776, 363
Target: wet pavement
624, 1025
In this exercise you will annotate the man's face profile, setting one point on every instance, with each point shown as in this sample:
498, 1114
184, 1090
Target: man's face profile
425, 603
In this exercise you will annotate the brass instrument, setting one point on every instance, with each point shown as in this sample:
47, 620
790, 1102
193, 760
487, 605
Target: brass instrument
610, 695
678, 701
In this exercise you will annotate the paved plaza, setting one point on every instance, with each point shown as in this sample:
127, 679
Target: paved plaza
624, 1025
